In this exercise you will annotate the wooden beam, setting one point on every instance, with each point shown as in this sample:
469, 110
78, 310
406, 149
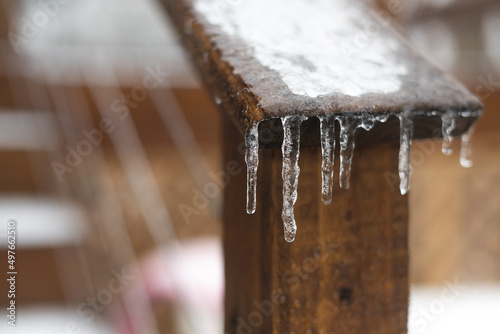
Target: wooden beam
347, 270
249, 91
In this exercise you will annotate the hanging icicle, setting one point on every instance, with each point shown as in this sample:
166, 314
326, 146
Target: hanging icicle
290, 172
327, 129
252, 161
466, 149
406, 131
348, 126
448, 121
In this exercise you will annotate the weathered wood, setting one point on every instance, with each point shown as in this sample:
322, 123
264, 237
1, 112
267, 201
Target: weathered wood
250, 91
347, 271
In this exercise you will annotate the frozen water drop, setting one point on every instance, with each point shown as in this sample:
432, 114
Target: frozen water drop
327, 128
448, 121
252, 161
290, 172
406, 132
367, 121
466, 149
382, 118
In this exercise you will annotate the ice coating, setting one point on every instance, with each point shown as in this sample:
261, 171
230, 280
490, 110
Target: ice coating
327, 133
448, 121
294, 38
466, 149
406, 132
290, 172
252, 161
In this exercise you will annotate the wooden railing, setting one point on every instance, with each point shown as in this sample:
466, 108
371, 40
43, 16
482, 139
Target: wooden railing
317, 72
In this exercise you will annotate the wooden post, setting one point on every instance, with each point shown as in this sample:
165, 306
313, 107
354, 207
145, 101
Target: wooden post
347, 270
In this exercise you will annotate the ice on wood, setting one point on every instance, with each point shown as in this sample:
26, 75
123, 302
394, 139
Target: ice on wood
349, 123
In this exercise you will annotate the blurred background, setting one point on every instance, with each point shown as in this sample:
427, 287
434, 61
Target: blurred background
107, 135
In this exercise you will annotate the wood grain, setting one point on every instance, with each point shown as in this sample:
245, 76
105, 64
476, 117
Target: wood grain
347, 270
235, 77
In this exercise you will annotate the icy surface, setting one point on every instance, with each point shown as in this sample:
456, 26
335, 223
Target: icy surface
252, 160
290, 172
327, 124
294, 38
406, 131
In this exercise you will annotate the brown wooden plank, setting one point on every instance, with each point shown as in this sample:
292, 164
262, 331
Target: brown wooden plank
250, 91
347, 270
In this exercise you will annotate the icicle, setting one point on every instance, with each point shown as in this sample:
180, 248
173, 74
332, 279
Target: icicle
466, 149
252, 160
290, 173
327, 125
448, 121
406, 131
348, 126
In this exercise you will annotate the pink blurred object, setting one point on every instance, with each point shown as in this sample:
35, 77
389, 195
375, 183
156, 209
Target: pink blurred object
190, 274
197, 267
